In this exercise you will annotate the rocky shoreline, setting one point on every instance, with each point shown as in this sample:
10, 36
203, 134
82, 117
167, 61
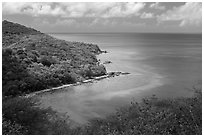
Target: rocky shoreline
108, 75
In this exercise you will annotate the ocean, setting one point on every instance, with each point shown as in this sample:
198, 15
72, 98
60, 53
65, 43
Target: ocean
165, 65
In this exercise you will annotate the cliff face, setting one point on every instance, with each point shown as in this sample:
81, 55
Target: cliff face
44, 60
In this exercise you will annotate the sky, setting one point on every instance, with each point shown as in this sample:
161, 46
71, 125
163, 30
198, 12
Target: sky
62, 17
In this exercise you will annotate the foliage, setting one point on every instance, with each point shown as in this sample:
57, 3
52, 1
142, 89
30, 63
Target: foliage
47, 61
13, 32
153, 116
22, 116
90, 71
34, 61
23, 75
12, 128
13, 73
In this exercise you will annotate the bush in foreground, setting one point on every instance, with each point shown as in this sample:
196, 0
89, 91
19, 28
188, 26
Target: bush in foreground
22, 116
153, 116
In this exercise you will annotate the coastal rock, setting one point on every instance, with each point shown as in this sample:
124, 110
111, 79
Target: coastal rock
117, 73
107, 62
104, 51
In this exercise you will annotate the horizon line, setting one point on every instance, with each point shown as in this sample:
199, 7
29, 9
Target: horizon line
123, 32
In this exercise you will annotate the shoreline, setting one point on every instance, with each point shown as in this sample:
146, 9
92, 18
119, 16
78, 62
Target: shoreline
108, 75
71, 107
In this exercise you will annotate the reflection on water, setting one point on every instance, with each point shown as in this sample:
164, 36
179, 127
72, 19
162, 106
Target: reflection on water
161, 64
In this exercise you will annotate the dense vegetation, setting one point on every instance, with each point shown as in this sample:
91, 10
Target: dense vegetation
152, 116
14, 32
33, 61
22, 116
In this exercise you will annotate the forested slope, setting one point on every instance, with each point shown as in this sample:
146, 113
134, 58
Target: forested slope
32, 60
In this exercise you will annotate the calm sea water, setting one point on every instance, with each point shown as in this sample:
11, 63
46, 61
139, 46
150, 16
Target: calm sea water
166, 65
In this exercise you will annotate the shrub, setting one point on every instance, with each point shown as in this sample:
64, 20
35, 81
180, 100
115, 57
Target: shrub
153, 117
47, 61
12, 128
22, 116
7, 52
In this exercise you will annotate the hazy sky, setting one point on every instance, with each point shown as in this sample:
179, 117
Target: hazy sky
107, 17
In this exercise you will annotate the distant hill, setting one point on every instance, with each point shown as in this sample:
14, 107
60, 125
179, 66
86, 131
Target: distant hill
15, 28
33, 60
13, 32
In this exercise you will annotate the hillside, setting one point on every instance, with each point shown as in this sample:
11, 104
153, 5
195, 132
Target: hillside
12, 32
32, 60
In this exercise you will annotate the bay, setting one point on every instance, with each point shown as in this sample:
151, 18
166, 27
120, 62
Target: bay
165, 65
